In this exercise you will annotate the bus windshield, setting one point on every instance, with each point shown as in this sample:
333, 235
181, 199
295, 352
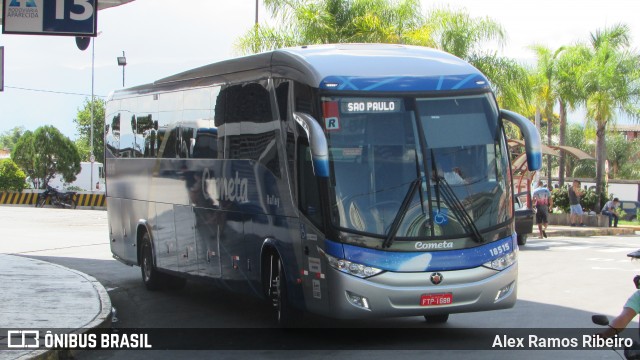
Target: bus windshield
381, 148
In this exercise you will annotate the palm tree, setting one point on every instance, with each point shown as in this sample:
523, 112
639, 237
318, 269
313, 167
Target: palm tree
568, 93
546, 89
610, 80
400, 22
466, 37
305, 22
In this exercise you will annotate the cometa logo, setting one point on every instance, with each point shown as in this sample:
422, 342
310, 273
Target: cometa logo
434, 245
230, 189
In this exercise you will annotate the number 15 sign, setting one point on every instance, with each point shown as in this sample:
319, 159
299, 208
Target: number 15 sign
50, 17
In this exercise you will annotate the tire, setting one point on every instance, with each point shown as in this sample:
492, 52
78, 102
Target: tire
41, 201
73, 204
286, 316
522, 239
436, 319
150, 275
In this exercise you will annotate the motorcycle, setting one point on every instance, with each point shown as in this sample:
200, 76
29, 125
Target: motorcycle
65, 200
630, 352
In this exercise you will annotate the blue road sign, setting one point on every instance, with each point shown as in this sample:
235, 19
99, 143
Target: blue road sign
50, 17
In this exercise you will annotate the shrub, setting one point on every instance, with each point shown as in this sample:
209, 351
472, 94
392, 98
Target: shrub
11, 177
587, 200
560, 198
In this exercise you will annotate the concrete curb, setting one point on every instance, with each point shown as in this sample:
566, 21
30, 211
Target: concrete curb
101, 320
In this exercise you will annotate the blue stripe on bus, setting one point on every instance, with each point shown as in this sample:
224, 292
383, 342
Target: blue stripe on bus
405, 83
422, 261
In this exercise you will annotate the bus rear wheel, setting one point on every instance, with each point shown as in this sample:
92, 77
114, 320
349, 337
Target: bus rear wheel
436, 319
150, 276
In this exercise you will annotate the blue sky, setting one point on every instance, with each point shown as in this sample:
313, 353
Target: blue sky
162, 37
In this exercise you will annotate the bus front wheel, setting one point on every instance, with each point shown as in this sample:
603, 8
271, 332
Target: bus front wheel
278, 292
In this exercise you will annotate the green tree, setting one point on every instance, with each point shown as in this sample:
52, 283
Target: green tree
11, 177
610, 80
83, 126
622, 156
545, 90
580, 137
568, 96
305, 22
23, 154
45, 153
8, 139
476, 40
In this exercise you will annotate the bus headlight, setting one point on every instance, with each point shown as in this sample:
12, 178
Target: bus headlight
351, 268
502, 262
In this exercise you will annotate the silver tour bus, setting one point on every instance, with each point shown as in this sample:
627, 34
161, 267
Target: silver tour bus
350, 181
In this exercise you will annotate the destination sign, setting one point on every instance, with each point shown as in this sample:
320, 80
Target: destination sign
370, 105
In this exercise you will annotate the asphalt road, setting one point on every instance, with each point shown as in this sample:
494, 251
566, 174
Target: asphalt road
562, 282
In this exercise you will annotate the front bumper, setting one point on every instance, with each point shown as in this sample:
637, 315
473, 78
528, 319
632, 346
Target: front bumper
397, 294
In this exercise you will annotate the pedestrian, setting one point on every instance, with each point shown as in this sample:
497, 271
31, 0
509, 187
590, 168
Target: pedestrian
543, 202
574, 201
611, 210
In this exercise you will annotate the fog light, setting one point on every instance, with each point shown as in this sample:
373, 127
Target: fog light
357, 300
504, 292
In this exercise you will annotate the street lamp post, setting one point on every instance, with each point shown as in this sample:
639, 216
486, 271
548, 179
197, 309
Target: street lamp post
92, 157
122, 61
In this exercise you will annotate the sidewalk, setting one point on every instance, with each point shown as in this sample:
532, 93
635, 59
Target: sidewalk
39, 295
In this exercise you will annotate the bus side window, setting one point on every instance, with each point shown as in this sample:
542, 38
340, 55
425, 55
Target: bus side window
309, 193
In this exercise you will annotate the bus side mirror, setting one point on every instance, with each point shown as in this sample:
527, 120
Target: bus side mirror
532, 143
317, 143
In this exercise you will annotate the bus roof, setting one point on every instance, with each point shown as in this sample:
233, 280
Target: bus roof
348, 67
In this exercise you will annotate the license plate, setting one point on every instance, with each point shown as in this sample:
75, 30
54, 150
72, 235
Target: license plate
436, 299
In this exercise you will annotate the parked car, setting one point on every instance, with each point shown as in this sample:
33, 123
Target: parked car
524, 217
630, 209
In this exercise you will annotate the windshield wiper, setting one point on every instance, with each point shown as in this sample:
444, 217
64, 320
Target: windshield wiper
395, 225
459, 211
454, 203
